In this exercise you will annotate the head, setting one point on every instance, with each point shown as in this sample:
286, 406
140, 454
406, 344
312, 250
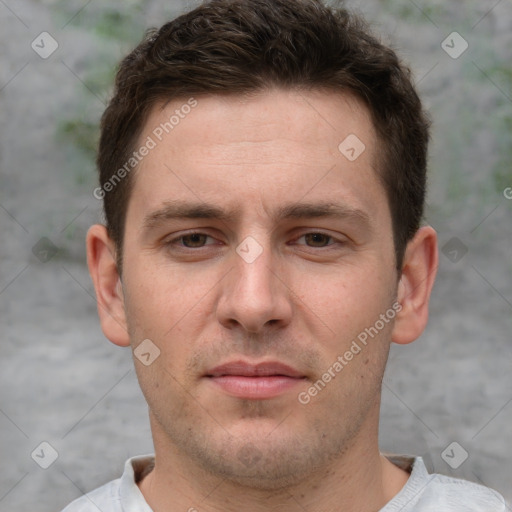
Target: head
236, 118
233, 48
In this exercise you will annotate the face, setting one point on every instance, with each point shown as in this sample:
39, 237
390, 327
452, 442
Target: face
255, 253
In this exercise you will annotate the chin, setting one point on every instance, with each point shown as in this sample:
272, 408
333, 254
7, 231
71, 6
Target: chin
266, 459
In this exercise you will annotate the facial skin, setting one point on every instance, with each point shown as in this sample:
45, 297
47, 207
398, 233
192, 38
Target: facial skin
301, 302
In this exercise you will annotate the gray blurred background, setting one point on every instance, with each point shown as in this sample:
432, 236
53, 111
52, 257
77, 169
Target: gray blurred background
64, 384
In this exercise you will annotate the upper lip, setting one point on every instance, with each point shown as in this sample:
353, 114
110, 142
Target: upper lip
245, 369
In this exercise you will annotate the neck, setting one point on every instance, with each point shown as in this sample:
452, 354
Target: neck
360, 480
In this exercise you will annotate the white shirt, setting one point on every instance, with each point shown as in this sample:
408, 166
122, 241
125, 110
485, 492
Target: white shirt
423, 492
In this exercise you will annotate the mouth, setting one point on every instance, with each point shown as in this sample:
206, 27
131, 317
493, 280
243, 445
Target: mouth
259, 381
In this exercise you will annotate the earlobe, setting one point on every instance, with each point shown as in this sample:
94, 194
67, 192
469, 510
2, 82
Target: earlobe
415, 286
101, 260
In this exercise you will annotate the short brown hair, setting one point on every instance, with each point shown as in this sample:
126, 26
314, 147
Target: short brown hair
239, 46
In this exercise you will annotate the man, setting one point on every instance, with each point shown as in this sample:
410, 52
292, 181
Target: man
262, 166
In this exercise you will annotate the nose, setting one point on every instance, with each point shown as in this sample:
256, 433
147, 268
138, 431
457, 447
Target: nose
255, 295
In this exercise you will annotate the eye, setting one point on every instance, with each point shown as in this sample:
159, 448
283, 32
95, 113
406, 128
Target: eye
316, 239
190, 240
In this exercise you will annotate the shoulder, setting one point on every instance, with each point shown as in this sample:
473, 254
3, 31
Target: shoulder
456, 494
120, 494
426, 492
106, 498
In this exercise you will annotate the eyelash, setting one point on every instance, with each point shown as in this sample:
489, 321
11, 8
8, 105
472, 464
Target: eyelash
173, 242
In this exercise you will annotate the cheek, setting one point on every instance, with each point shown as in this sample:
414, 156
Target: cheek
346, 300
159, 299
174, 314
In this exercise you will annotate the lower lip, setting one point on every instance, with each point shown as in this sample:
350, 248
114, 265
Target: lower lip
255, 388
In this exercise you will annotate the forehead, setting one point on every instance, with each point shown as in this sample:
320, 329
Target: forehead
313, 116
255, 149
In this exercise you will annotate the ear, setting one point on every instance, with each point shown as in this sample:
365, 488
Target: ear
101, 259
418, 274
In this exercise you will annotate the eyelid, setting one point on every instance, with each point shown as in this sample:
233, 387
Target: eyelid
175, 239
333, 238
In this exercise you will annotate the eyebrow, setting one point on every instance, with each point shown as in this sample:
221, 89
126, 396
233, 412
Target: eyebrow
177, 209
